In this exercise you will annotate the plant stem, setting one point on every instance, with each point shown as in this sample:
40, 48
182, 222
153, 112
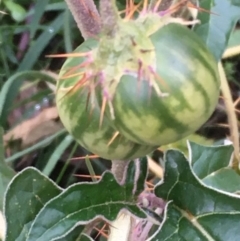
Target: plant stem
124, 220
118, 169
231, 114
109, 16
86, 16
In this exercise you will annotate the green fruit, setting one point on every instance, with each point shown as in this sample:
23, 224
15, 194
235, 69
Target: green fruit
154, 82
83, 122
189, 76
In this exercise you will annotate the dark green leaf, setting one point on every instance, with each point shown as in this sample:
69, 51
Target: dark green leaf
74, 235
225, 179
212, 165
216, 28
234, 39
208, 159
196, 212
85, 238
83, 202
25, 196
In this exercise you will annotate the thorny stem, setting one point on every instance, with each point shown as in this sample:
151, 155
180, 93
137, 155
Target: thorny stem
109, 16
86, 16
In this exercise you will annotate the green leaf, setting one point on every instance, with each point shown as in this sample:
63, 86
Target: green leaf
74, 235
234, 39
225, 179
215, 28
212, 165
6, 173
18, 13
27, 193
85, 237
195, 211
83, 202
208, 159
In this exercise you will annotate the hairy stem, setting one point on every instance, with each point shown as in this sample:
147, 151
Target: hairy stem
124, 221
109, 16
86, 16
118, 169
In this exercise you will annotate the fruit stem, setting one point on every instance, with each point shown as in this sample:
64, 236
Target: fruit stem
109, 16
86, 16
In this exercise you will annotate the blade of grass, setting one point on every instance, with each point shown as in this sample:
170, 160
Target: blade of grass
35, 147
50, 7
5, 63
39, 7
90, 169
10, 89
57, 154
67, 163
41, 42
67, 32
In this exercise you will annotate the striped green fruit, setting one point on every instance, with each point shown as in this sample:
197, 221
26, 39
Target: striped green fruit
82, 121
147, 82
187, 72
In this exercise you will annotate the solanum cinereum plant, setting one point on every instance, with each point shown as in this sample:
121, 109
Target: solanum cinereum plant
144, 81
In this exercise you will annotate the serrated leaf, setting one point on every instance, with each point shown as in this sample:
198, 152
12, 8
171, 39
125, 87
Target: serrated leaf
83, 202
197, 212
215, 28
177, 227
212, 165
208, 159
85, 237
225, 179
26, 194
73, 235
